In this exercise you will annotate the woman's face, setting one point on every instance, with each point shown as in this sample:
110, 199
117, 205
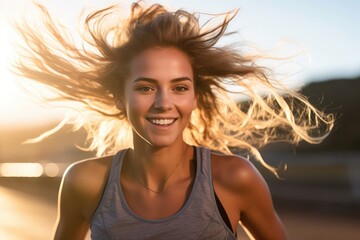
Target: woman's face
159, 96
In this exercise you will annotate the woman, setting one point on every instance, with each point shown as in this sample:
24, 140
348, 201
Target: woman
161, 76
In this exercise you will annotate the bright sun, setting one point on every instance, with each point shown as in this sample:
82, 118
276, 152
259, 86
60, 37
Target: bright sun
8, 88
16, 108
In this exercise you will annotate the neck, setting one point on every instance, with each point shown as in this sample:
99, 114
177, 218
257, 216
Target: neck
154, 167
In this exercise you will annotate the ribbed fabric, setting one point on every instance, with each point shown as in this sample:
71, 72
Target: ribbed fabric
199, 218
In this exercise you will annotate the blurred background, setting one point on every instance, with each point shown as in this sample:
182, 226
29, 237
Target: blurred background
319, 197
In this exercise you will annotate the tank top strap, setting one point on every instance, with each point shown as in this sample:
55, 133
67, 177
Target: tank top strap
112, 178
204, 164
203, 160
116, 166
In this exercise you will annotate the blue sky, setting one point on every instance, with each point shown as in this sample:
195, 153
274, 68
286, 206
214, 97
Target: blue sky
328, 30
324, 34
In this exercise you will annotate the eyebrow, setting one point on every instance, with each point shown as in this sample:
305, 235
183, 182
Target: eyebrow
180, 79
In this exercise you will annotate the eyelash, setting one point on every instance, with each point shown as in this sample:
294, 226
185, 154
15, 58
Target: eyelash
145, 89
183, 88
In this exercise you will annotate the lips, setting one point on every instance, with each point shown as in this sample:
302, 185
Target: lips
162, 121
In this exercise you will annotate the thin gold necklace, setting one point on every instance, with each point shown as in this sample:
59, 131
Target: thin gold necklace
160, 189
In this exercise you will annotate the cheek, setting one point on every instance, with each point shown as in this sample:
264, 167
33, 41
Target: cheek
187, 105
137, 105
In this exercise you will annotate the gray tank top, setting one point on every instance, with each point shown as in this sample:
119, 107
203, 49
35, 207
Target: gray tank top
199, 218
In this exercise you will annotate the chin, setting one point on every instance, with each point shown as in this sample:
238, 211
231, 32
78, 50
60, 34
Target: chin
160, 142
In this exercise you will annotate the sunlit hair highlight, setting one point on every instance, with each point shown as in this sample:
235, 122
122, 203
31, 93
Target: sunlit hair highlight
95, 74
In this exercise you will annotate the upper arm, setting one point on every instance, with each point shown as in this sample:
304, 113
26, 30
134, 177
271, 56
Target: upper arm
246, 197
71, 223
258, 215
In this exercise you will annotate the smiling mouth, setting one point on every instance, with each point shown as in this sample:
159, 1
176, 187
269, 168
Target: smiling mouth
162, 121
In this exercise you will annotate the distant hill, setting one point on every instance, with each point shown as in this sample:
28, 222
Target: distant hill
341, 97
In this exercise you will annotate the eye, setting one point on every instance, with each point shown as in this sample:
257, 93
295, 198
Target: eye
144, 89
181, 88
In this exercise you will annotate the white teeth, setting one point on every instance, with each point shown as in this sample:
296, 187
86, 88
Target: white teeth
162, 121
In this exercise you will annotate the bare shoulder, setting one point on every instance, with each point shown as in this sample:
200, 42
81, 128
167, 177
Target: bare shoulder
88, 171
84, 181
234, 172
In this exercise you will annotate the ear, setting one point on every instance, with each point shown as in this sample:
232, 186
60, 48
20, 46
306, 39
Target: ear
119, 104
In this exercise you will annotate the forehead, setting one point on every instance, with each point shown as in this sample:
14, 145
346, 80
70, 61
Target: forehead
161, 63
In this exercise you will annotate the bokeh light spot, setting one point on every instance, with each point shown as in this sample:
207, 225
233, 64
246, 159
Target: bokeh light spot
21, 170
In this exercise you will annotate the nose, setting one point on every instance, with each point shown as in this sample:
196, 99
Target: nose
163, 100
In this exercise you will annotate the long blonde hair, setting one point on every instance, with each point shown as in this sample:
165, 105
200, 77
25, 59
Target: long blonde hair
95, 75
